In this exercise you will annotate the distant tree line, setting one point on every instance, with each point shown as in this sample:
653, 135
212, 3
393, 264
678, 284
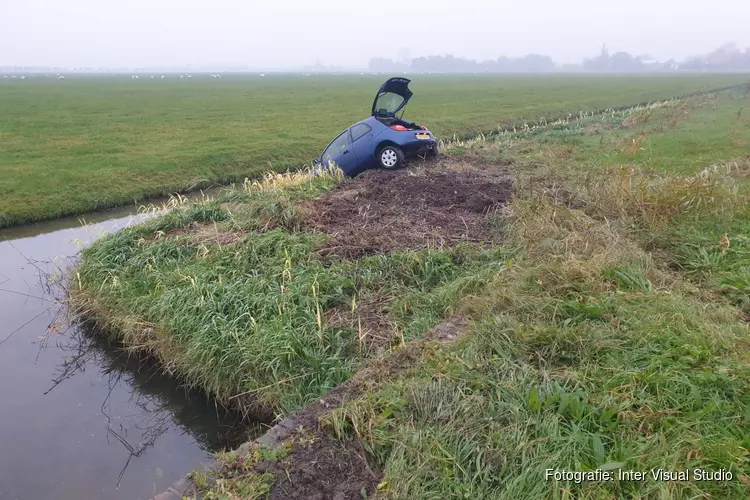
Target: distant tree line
624, 62
451, 64
728, 57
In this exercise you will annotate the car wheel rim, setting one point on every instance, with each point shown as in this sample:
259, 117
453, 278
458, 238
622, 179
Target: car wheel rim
388, 158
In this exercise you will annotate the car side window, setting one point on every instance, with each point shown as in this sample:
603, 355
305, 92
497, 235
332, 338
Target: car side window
338, 145
360, 130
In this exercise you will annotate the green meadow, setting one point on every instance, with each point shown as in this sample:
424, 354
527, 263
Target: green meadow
90, 142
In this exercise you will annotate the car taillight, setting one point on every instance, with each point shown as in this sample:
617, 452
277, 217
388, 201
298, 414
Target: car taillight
424, 128
400, 128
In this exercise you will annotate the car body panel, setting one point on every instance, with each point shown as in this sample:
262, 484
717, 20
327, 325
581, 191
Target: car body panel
362, 144
340, 152
355, 149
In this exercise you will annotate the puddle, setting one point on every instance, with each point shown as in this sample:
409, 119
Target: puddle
80, 419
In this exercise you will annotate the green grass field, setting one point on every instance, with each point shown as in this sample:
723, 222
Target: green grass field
608, 331
84, 143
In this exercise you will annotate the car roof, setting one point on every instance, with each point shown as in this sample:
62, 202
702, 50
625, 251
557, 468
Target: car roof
367, 121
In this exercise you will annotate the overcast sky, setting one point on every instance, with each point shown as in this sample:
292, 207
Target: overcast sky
292, 33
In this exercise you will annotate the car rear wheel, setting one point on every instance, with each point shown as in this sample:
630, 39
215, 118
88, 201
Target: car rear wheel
390, 157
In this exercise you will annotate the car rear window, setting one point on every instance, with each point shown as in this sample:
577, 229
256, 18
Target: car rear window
389, 102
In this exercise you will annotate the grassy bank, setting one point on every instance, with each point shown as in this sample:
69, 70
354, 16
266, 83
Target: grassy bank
85, 143
603, 312
237, 283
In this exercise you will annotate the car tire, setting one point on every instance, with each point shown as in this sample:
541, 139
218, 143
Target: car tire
433, 153
390, 157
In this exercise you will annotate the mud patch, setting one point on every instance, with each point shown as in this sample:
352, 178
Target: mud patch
321, 468
381, 211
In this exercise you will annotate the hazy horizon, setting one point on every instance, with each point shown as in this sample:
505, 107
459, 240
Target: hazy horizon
141, 34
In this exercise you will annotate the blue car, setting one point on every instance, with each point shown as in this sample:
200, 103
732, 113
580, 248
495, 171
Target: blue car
383, 140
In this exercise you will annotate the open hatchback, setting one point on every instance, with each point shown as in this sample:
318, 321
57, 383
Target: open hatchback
383, 140
391, 98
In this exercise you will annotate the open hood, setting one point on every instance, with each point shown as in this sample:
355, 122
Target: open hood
391, 98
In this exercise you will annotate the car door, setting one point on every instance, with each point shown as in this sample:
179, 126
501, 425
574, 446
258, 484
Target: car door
340, 152
362, 137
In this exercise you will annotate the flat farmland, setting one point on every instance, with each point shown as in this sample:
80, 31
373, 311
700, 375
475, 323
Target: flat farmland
90, 142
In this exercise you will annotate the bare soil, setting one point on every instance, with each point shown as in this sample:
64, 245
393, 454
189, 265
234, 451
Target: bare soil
381, 211
320, 467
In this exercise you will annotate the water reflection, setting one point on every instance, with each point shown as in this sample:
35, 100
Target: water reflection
156, 402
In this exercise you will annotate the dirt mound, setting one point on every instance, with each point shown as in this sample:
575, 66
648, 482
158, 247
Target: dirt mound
321, 467
382, 210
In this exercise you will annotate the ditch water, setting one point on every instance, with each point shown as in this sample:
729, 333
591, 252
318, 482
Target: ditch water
78, 418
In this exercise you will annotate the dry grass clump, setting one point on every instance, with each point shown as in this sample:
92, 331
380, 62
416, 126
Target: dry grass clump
628, 192
273, 181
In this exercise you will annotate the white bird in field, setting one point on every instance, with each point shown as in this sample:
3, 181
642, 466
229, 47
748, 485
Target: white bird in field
23, 78
190, 76
152, 77
262, 75
162, 77
182, 76
61, 77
